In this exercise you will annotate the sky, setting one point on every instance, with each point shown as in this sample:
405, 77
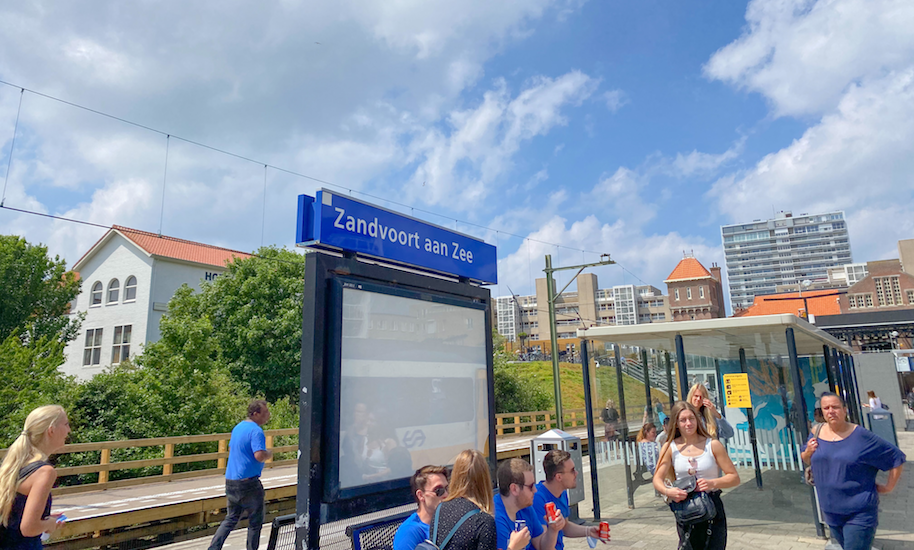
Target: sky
562, 127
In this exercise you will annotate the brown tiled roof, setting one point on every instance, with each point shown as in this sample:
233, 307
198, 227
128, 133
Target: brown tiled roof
174, 248
688, 269
179, 249
818, 304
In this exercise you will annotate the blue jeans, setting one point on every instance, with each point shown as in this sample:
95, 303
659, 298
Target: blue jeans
244, 495
852, 536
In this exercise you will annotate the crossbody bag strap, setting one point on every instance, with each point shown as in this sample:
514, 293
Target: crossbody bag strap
435, 522
465, 517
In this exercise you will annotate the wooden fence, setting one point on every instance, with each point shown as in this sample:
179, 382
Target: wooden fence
506, 425
167, 461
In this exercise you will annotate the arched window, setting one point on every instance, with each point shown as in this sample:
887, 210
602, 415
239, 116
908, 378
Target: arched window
97, 294
130, 289
114, 290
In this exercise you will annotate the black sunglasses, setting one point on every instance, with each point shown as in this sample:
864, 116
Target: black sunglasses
439, 491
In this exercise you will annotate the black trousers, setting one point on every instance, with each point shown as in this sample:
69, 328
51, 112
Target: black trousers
245, 495
708, 535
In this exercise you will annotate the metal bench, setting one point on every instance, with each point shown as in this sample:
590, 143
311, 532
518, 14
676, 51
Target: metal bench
377, 534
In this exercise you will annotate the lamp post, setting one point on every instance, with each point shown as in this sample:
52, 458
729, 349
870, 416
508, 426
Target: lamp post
551, 297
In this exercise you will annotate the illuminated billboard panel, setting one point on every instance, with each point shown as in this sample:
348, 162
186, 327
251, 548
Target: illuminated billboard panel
413, 387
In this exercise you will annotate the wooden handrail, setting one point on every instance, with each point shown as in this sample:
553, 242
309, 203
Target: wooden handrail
516, 423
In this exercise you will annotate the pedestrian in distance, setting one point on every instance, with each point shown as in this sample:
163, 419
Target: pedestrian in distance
610, 417
514, 501
429, 485
561, 475
647, 446
714, 422
26, 479
873, 401
845, 459
470, 491
243, 489
691, 462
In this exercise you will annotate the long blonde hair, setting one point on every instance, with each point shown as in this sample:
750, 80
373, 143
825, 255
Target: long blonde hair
672, 433
24, 450
471, 480
710, 421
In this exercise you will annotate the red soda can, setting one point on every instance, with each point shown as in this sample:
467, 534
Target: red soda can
551, 515
604, 530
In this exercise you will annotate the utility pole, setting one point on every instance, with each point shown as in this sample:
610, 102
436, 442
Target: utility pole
551, 297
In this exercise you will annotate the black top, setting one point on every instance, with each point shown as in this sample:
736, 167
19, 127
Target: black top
12, 538
476, 533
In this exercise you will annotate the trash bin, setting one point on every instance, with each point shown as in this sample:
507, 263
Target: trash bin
558, 439
883, 425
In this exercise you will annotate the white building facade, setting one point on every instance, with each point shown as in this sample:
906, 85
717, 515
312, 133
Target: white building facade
785, 250
128, 278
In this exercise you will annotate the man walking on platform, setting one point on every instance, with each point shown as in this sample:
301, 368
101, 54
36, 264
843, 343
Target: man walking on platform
561, 475
247, 453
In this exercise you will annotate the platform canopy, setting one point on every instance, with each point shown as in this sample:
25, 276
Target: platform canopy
760, 336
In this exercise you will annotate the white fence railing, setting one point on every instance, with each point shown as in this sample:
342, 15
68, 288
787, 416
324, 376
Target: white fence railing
777, 450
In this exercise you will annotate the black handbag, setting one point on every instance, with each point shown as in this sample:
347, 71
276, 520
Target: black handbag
697, 506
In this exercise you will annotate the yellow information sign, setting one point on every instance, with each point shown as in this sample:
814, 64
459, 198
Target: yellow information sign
736, 388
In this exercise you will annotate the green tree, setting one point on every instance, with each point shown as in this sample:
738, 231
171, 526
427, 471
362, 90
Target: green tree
255, 311
35, 292
29, 378
514, 392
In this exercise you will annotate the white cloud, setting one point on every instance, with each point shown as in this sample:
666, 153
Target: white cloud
459, 165
647, 258
698, 163
615, 99
802, 54
350, 92
850, 63
858, 157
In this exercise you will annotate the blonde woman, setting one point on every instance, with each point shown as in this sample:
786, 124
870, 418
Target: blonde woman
470, 490
714, 422
26, 478
693, 458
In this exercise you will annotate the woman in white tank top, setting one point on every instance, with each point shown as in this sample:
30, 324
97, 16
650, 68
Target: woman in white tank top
691, 452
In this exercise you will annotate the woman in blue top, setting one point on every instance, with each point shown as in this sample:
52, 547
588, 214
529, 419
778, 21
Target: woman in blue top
845, 459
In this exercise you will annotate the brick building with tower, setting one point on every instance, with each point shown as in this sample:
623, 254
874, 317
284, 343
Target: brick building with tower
695, 292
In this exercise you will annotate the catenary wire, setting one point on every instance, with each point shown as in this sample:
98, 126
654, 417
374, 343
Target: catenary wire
169, 136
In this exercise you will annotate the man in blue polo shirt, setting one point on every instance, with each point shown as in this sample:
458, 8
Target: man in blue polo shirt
429, 487
247, 453
516, 487
561, 475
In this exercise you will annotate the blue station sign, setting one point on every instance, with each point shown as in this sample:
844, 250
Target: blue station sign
336, 222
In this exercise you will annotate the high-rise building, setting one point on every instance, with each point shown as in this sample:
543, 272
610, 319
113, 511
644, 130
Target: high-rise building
785, 250
587, 307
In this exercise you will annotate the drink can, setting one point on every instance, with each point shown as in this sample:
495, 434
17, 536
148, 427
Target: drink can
519, 524
551, 516
604, 530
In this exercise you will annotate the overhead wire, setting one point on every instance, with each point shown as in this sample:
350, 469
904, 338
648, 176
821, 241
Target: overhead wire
169, 136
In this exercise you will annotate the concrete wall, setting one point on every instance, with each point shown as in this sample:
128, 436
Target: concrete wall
876, 371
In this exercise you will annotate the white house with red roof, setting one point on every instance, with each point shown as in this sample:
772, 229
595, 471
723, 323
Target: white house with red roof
128, 278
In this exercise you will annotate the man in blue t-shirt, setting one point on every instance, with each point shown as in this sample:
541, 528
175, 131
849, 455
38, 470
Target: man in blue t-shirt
516, 487
561, 475
247, 453
429, 487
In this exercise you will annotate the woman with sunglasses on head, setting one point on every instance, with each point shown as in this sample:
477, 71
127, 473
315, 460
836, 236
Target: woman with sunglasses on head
692, 458
470, 491
714, 422
845, 459
26, 478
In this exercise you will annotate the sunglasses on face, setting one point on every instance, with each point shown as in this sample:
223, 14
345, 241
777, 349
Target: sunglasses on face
439, 491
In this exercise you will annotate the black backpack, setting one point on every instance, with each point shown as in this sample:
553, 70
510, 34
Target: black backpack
429, 543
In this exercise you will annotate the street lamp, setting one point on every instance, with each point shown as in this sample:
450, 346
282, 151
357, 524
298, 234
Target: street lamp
551, 297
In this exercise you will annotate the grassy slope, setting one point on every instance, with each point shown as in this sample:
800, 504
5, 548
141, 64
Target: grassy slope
540, 374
